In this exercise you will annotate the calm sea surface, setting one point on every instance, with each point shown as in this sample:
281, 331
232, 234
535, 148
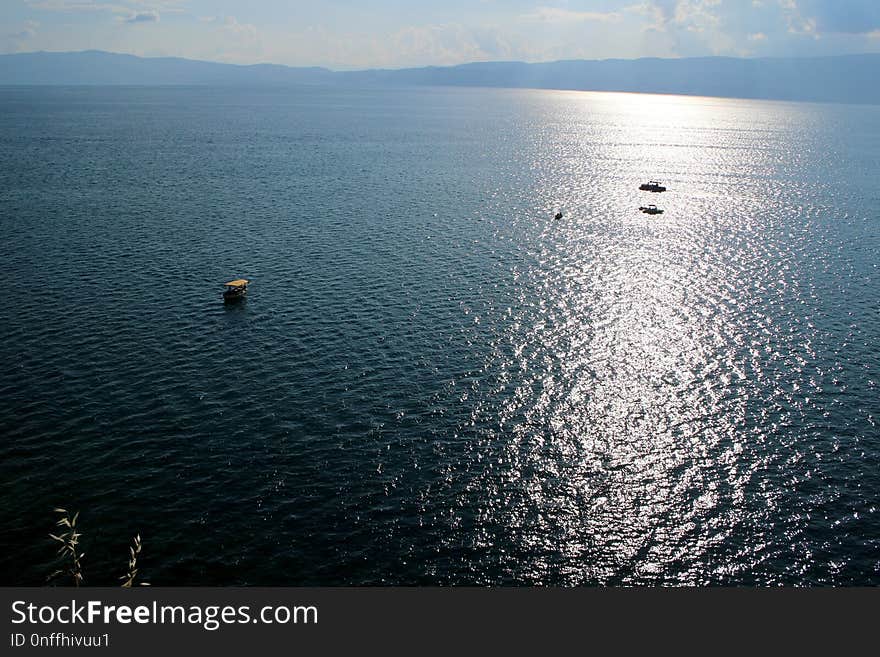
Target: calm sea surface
432, 380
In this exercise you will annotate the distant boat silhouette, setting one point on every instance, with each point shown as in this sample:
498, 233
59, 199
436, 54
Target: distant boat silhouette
652, 186
558, 215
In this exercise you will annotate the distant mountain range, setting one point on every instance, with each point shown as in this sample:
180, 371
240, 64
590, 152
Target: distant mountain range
846, 79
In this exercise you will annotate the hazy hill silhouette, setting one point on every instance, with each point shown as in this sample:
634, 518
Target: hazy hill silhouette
847, 78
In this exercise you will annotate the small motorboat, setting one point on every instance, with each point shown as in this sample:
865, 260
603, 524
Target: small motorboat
651, 209
652, 186
558, 215
235, 290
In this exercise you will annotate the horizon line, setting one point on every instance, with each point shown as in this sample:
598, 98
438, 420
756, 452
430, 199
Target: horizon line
441, 66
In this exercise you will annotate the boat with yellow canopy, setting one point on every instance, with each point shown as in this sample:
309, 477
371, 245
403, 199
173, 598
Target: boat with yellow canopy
236, 290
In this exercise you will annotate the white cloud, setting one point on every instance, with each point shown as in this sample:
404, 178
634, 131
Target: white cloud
544, 30
131, 8
559, 15
797, 22
76, 6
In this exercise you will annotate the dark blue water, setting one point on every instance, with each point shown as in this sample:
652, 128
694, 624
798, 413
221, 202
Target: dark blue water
432, 381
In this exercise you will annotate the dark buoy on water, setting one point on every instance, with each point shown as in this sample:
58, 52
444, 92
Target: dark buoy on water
558, 215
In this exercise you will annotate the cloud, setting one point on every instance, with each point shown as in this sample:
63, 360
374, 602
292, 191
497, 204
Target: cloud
443, 44
241, 30
20, 39
690, 27
559, 15
823, 17
538, 30
232, 40
691, 15
777, 27
850, 17
130, 11
28, 31
226, 39
75, 6
143, 17
130, 8
411, 45
665, 9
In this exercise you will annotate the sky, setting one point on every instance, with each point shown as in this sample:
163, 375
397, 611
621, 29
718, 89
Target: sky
352, 34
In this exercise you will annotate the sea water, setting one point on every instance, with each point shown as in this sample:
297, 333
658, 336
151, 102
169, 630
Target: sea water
432, 380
